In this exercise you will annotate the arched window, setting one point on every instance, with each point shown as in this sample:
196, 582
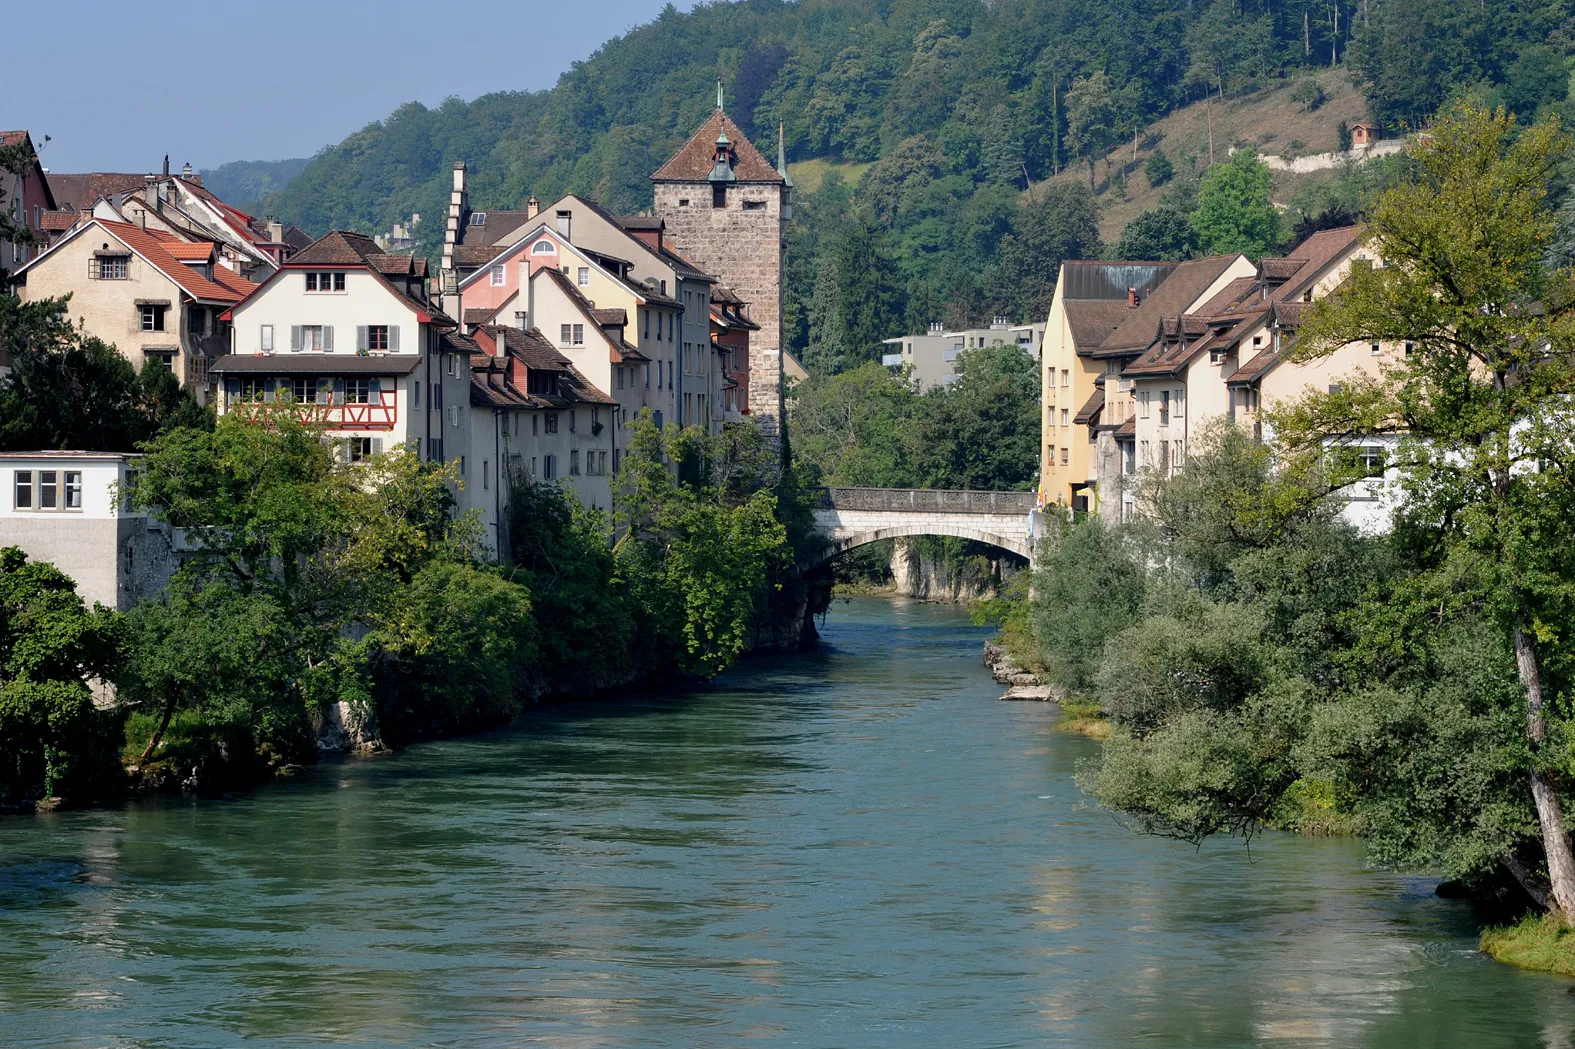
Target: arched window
544, 247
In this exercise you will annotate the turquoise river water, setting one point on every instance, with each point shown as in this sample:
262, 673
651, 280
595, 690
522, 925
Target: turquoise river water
857, 847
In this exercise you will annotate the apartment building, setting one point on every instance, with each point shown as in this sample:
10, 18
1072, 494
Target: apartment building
932, 357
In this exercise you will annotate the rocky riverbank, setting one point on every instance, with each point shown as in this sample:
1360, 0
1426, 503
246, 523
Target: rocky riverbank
1022, 684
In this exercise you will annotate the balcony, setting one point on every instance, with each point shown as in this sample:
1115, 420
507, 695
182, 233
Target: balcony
380, 416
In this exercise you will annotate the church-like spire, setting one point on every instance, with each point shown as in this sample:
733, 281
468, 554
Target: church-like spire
718, 92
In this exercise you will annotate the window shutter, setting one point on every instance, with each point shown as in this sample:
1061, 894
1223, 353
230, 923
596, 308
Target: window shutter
393, 336
232, 388
328, 336
360, 337
339, 392
92, 268
376, 396
268, 387
295, 337
377, 446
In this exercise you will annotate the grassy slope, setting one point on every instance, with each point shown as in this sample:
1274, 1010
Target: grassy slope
809, 174
1538, 943
1267, 120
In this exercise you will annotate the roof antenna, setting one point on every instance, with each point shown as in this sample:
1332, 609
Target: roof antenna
719, 92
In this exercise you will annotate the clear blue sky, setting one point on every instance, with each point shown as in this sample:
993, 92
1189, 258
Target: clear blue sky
218, 80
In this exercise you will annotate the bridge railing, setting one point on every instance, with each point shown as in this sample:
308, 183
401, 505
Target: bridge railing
933, 500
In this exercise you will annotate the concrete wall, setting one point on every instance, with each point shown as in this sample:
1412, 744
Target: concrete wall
743, 249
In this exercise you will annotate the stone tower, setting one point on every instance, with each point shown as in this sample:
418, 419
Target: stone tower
726, 209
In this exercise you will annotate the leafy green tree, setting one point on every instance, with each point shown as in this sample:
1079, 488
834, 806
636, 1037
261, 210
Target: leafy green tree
1092, 117
1234, 212
1158, 169
1160, 233
982, 431
855, 427
1479, 400
52, 740
856, 303
1062, 224
1089, 586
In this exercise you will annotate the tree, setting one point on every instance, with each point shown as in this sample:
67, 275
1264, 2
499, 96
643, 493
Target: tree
1092, 116
1088, 587
52, 740
1480, 401
855, 427
856, 302
1234, 212
1158, 169
982, 431
1063, 224
1159, 233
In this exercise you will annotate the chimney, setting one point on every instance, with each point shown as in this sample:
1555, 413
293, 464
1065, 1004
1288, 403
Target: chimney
185, 172
142, 220
1132, 298
166, 165
276, 231
532, 207
458, 204
564, 218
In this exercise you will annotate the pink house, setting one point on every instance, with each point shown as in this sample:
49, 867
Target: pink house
26, 197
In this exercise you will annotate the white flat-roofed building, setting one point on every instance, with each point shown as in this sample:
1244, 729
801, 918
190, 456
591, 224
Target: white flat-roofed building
69, 508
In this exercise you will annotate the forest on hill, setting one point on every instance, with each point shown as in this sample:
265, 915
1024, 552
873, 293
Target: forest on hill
957, 114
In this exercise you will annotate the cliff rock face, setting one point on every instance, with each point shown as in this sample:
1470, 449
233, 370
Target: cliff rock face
921, 573
342, 729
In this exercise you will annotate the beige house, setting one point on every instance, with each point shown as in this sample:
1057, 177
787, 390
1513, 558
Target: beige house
148, 293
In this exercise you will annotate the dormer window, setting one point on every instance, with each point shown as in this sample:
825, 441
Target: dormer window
544, 247
478, 218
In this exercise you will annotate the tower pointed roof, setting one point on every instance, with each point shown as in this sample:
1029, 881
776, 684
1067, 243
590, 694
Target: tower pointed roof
695, 160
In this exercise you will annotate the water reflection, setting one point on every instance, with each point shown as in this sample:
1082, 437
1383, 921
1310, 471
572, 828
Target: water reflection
857, 848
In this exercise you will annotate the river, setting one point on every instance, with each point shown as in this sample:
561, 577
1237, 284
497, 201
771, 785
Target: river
858, 847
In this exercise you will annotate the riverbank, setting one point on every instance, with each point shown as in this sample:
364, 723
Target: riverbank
1537, 943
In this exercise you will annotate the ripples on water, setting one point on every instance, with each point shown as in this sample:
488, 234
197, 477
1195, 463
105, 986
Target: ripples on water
859, 847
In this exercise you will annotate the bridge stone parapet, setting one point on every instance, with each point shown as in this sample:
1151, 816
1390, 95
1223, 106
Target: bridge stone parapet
853, 517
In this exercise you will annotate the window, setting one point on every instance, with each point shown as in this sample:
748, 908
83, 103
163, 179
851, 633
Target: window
1148, 453
152, 317
73, 490
253, 391
1178, 452
574, 463
23, 497
415, 389
544, 247
325, 281
549, 467
497, 275
1065, 454
303, 390
266, 339
1164, 407
1409, 346
719, 195
1143, 404
520, 320
565, 333
579, 335
550, 422
358, 449
683, 202
435, 449
462, 466
1066, 377
1064, 413
311, 337
754, 205
358, 391
486, 475
377, 337
1376, 349
572, 414
113, 267
196, 320
48, 489
1051, 449
1334, 387
478, 218
620, 378
583, 278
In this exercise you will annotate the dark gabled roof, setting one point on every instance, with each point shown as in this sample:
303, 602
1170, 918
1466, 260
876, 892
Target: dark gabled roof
1234, 297
615, 317
338, 248
495, 226
1092, 320
315, 364
1317, 251
641, 222
1091, 408
475, 256
1127, 429
1175, 294
1251, 371
398, 265
530, 346
1112, 278
81, 192
476, 315
692, 162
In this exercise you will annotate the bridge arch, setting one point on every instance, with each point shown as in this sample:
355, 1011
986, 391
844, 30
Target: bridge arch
843, 544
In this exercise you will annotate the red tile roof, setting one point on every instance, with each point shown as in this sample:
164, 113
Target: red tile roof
1175, 294
58, 221
156, 251
692, 162
193, 251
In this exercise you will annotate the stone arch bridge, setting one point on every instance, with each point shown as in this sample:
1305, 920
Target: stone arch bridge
852, 517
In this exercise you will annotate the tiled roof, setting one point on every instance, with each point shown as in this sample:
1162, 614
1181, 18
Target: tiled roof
12, 138
1231, 297
338, 248
394, 265
1318, 250
83, 191
1091, 408
1186, 337
156, 251
1175, 293
641, 222
315, 364
58, 221
234, 281
692, 162
476, 315
1127, 429
1280, 269
529, 346
1253, 369
475, 256
190, 251
1290, 314
1092, 320
617, 317
496, 228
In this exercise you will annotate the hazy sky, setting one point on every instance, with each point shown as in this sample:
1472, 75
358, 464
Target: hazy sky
118, 85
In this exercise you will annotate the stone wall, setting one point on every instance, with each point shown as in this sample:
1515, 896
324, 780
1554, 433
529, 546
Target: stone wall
116, 562
743, 249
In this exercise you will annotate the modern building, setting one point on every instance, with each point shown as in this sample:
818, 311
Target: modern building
70, 509
932, 357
